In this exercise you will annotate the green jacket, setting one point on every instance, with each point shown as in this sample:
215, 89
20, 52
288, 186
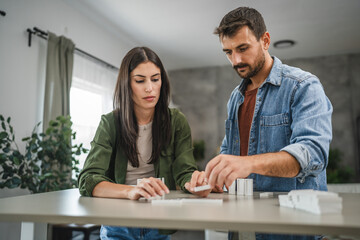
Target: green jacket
176, 163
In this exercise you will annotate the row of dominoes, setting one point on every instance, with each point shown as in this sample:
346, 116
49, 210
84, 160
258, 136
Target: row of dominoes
242, 187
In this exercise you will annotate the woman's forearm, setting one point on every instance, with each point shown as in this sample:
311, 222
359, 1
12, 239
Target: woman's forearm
111, 190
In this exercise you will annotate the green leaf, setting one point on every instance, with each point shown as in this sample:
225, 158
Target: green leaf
33, 148
3, 135
16, 181
21, 169
7, 174
36, 169
3, 156
62, 119
54, 124
1, 117
28, 155
49, 130
16, 161
17, 154
3, 125
8, 119
25, 139
8, 184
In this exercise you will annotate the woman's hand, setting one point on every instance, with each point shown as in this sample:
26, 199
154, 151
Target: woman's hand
147, 188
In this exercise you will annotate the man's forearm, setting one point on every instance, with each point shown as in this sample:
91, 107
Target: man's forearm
280, 164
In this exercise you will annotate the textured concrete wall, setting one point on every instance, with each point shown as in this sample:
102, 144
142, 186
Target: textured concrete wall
202, 94
355, 93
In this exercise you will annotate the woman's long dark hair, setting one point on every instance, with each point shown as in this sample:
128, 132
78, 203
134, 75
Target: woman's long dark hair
124, 107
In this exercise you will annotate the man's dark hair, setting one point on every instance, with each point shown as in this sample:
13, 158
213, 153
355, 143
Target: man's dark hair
238, 18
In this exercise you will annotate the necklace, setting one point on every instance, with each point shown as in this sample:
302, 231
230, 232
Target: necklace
145, 127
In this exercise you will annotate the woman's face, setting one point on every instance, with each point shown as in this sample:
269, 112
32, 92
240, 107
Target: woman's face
145, 81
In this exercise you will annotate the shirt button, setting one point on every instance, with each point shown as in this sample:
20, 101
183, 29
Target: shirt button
252, 140
259, 99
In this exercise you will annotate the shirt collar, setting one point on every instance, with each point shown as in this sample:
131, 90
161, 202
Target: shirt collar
275, 74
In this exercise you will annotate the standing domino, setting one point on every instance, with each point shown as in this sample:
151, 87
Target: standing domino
244, 186
232, 188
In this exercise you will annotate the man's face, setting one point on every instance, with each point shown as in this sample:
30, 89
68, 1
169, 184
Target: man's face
245, 53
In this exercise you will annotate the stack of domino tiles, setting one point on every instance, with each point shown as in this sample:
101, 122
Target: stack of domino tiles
317, 202
242, 187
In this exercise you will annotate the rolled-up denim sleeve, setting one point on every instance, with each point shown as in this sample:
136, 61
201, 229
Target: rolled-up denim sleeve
311, 127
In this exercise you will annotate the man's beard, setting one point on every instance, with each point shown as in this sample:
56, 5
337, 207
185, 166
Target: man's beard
252, 70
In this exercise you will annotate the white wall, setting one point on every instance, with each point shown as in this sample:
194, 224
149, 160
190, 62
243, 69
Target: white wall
22, 68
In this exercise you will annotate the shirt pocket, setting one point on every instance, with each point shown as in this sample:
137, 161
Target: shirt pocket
229, 136
275, 132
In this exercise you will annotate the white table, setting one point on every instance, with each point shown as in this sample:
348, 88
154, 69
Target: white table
249, 214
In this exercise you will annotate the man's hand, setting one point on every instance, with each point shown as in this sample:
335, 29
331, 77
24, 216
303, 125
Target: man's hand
197, 179
148, 187
225, 169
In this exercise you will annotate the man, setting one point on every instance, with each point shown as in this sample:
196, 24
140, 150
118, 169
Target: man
278, 128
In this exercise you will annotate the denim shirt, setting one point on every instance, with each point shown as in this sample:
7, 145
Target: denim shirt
292, 114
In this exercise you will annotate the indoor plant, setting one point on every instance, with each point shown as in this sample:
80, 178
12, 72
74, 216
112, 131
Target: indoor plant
336, 172
49, 159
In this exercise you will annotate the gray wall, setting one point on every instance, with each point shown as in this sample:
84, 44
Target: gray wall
202, 94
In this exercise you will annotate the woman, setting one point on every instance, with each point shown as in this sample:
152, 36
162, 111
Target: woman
141, 139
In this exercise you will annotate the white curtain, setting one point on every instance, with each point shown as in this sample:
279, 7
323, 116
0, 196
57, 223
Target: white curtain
91, 95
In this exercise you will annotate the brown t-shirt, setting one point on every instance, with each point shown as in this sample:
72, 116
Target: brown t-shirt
245, 116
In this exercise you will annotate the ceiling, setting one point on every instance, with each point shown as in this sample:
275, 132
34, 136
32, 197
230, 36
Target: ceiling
181, 32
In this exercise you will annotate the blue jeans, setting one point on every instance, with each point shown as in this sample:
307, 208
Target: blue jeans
117, 233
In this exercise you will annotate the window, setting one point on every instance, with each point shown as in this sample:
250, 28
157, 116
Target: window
91, 95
